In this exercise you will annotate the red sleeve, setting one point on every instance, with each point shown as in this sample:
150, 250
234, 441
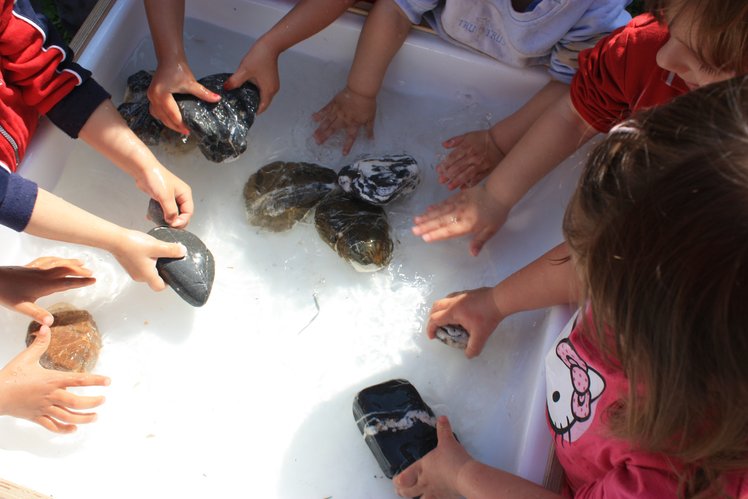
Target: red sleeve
32, 60
620, 74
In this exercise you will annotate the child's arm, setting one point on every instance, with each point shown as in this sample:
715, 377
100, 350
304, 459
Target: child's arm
449, 471
107, 132
549, 280
55, 218
354, 107
173, 74
22, 286
260, 64
29, 391
475, 154
483, 209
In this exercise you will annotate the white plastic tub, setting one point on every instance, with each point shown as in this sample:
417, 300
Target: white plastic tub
250, 395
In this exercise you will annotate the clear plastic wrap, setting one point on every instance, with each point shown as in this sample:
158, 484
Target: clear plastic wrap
75, 342
396, 423
357, 231
279, 194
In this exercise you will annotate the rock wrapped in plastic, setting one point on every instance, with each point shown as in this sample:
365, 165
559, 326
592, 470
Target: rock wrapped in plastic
453, 335
135, 111
396, 423
221, 128
380, 179
75, 342
191, 276
279, 194
356, 230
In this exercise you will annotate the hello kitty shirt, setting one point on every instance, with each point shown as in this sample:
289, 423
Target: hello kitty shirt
580, 387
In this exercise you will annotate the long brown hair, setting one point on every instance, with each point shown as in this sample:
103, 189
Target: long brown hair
658, 228
720, 29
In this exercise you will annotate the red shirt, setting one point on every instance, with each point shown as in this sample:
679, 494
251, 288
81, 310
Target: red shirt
580, 388
620, 75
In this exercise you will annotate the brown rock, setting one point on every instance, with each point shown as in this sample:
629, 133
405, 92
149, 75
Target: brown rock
75, 342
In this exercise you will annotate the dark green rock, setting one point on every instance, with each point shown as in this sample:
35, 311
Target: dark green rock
279, 194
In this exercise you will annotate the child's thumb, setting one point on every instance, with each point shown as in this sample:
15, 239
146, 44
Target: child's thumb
41, 342
443, 428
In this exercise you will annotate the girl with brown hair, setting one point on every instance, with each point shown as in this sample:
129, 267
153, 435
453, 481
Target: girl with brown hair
647, 385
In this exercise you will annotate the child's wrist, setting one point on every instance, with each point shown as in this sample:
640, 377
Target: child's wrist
365, 91
464, 477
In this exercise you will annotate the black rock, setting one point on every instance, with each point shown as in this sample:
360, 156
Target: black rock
135, 111
279, 194
221, 128
453, 335
156, 213
380, 179
356, 230
191, 276
396, 423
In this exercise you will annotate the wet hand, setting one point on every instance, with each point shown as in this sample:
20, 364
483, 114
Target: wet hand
29, 391
171, 78
173, 194
475, 310
137, 253
435, 475
473, 156
260, 66
347, 111
20, 287
471, 211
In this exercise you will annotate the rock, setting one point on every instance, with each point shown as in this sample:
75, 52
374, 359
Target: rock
453, 335
279, 194
356, 230
396, 423
191, 276
155, 213
75, 342
380, 180
221, 128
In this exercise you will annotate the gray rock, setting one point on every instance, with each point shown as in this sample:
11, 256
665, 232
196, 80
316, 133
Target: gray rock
191, 276
221, 128
156, 213
380, 180
279, 194
453, 335
356, 230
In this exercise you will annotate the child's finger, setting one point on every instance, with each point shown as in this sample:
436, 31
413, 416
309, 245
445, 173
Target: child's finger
203, 93
475, 345
453, 141
79, 379
480, 240
186, 209
63, 415
54, 426
41, 342
64, 398
36, 312
67, 283
350, 138
170, 208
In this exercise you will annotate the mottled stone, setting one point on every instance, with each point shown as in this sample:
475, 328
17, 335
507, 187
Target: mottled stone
191, 276
221, 128
397, 425
380, 179
279, 194
356, 230
75, 342
453, 335
155, 213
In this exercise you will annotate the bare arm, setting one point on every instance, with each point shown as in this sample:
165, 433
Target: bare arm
548, 281
260, 64
355, 106
173, 75
108, 134
55, 218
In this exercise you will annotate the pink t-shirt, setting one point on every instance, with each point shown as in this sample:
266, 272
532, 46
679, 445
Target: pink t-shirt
580, 388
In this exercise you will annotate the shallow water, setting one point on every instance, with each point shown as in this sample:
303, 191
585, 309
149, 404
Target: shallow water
251, 394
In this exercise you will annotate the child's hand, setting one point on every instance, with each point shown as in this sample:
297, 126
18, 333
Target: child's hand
347, 111
138, 252
260, 66
471, 211
174, 195
29, 391
435, 475
20, 287
171, 78
474, 155
475, 310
